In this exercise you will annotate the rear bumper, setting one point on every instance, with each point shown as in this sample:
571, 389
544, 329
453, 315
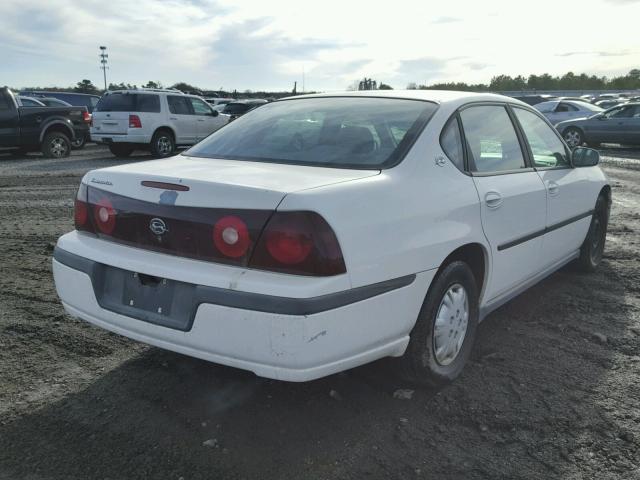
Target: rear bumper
293, 339
108, 138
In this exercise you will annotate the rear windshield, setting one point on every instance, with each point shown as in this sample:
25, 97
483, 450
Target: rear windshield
343, 132
129, 102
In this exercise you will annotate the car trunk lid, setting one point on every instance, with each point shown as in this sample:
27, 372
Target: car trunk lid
147, 205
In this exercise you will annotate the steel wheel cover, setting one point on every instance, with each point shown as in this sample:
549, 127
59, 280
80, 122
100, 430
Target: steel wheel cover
450, 326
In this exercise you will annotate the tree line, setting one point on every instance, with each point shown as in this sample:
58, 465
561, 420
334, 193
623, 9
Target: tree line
568, 81
499, 83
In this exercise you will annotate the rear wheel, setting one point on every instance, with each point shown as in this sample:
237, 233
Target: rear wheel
162, 144
56, 145
573, 137
121, 149
442, 339
592, 249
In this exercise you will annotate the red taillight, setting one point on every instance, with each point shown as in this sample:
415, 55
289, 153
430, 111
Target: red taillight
81, 210
298, 242
104, 216
86, 116
231, 236
134, 121
289, 245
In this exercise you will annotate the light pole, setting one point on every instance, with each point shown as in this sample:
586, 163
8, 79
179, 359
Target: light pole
103, 64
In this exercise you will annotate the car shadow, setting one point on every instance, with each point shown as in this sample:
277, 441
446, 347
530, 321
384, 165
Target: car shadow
532, 403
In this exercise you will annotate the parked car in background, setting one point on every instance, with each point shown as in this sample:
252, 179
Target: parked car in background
605, 104
54, 102
152, 119
560, 110
72, 98
620, 124
320, 232
607, 96
219, 108
213, 101
28, 102
48, 129
240, 107
534, 99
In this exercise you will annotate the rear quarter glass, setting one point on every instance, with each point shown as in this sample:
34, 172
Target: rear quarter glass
342, 132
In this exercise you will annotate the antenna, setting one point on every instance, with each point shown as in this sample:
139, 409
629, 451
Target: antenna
103, 64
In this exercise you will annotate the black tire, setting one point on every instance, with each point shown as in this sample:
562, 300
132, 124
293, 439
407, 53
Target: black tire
79, 143
573, 136
592, 248
162, 144
420, 363
56, 145
121, 149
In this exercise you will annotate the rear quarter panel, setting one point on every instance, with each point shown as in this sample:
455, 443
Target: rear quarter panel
406, 220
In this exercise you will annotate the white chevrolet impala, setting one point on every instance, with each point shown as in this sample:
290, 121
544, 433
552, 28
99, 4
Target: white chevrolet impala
322, 232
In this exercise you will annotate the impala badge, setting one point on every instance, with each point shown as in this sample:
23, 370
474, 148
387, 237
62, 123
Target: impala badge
157, 226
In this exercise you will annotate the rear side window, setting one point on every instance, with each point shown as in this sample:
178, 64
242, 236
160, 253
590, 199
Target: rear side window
566, 107
128, 102
451, 142
4, 103
179, 105
491, 139
546, 147
147, 103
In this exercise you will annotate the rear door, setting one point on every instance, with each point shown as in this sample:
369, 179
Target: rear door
512, 196
207, 121
9, 123
569, 199
182, 119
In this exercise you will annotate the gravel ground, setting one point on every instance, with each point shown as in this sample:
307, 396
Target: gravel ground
552, 390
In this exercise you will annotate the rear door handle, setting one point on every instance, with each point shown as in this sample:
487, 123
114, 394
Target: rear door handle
173, 118
553, 188
201, 119
493, 199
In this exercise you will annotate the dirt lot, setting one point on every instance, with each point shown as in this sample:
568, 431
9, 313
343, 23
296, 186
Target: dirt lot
553, 389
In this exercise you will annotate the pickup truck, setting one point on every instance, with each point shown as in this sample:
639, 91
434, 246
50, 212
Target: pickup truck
48, 129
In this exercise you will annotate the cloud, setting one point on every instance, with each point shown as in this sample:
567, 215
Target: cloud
245, 51
477, 65
597, 54
446, 19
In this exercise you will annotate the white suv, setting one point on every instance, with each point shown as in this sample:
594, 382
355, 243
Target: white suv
155, 119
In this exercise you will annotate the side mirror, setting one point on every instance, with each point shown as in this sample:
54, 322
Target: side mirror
214, 113
585, 157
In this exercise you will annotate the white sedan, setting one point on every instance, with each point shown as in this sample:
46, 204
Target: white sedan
322, 232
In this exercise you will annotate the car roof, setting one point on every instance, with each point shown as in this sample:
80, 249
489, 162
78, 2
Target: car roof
50, 93
436, 96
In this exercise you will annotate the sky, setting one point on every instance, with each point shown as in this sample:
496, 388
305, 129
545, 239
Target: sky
267, 45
